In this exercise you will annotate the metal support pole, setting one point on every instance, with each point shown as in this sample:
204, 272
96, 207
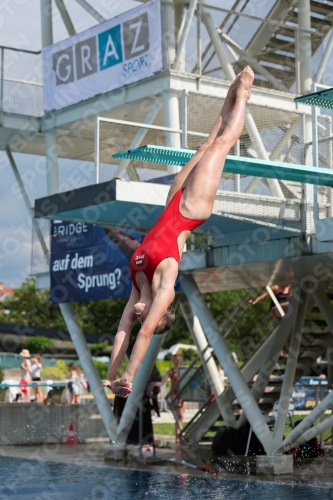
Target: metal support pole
249, 121
65, 17
307, 422
96, 15
227, 362
142, 132
287, 135
251, 367
67, 310
324, 305
168, 33
314, 118
46, 22
237, 176
184, 33
315, 430
138, 389
253, 62
305, 80
324, 58
199, 43
90, 369
2, 67
171, 120
208, 362
184, 119
279, 339
289, 375
96, 150
27, 203
52, 178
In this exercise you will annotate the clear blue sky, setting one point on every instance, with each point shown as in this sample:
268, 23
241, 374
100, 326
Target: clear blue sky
20, 27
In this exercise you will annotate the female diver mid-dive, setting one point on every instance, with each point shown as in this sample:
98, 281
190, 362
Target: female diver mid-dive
154, 265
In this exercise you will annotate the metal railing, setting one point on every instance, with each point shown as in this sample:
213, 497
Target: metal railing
21, 82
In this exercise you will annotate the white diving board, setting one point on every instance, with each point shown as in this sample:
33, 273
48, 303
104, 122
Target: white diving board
234, 165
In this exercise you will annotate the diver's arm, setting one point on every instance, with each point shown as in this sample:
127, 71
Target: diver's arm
161, 302
122, 337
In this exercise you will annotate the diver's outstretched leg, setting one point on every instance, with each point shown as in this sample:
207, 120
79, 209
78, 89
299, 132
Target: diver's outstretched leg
183, 176
198, 198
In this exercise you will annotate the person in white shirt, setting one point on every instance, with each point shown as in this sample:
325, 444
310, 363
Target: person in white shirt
36, 367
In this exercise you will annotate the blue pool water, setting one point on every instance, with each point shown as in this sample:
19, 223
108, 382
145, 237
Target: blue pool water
29, 479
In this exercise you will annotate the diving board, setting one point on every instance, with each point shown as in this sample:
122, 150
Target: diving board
234, 165
321, 99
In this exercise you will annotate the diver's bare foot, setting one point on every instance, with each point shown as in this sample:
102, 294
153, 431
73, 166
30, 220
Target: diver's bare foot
121, 388
245, 82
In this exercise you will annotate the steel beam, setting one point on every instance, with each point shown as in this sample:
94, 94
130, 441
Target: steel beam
184, 33
324, 58
280, 337
138, 389
289, 375
90, 369
306, 423
250, 368
27, 203
93, 12
253, 62
230, 74
65, 17
227, 362
208, 362
46, 22
152, 113
324, 305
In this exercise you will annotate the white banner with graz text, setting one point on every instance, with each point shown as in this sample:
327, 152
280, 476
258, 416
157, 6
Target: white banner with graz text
115, 53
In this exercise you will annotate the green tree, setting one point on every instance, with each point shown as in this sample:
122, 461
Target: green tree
39, 344
32, 307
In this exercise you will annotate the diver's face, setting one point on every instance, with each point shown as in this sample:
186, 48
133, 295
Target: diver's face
141, 310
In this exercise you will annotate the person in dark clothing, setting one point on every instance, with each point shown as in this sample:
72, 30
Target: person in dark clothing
154, 390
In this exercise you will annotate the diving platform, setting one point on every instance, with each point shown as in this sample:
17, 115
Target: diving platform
320, 99
235, 164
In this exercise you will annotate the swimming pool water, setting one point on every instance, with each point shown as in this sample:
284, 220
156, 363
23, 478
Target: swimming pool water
29, 479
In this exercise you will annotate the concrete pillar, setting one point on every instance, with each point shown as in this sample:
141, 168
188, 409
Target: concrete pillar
171, 120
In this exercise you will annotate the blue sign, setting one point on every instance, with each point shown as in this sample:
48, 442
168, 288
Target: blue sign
308, 392
87, 263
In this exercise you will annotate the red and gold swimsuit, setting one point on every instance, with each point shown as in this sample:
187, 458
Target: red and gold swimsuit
161, 241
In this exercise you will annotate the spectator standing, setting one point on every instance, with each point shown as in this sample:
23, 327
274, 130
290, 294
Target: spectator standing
178, 405
75, 384
154, 390
25, 367
36, 368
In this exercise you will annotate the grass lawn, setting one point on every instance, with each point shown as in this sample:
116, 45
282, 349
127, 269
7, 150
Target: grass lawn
166, 429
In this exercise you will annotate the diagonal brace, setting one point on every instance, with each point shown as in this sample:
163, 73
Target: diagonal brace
227, 362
